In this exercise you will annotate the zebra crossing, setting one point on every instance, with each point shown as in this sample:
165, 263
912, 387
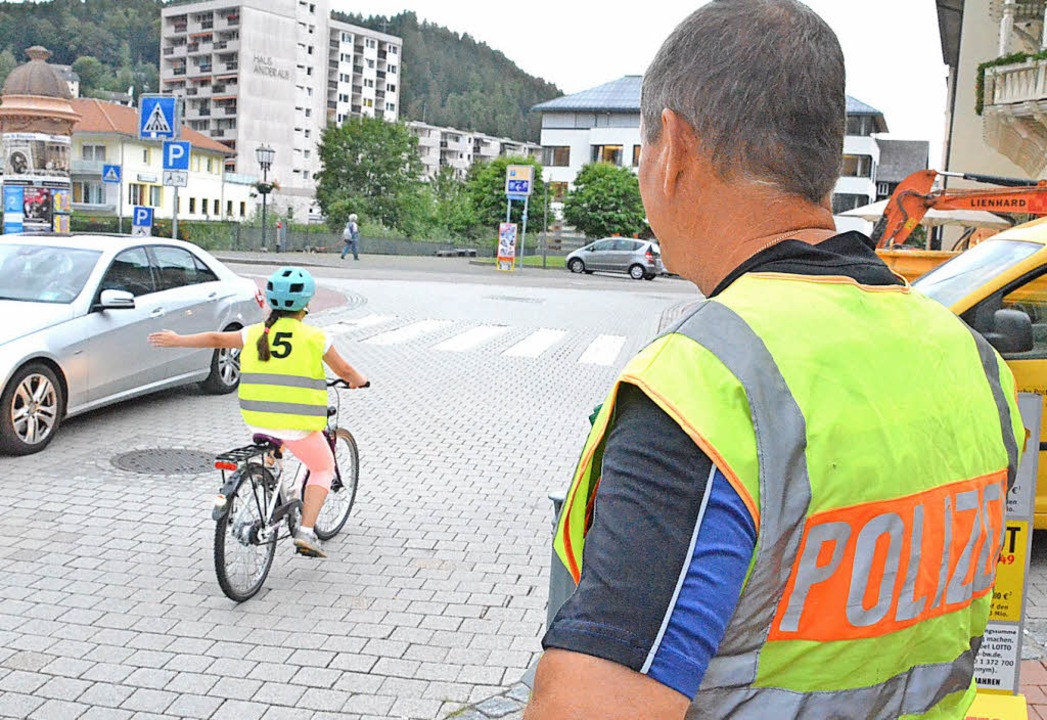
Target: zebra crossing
527, 343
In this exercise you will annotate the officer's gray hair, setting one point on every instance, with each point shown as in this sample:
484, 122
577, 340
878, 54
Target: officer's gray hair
761, 82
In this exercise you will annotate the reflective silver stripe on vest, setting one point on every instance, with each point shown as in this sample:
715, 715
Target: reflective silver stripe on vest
295, 381
785, 488
911, 693
283, 408
785, 496
992, 372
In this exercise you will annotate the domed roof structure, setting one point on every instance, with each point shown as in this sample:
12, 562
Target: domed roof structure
36, 77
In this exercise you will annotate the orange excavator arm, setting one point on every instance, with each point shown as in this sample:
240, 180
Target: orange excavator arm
914, 197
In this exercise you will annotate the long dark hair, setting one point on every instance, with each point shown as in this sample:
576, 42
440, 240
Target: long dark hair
263, 339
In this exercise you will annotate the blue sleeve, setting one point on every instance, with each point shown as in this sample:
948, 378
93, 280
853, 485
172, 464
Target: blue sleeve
666, 557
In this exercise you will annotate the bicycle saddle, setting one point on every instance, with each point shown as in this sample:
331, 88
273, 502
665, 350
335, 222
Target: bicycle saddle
260, 439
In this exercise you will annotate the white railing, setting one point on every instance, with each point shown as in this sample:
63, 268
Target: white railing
1022, 82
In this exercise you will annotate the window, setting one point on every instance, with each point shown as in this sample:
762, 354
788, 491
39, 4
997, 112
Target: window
217, 208
368, 102
308, 71
370, 63
308, 112
556, 155
857, 166
392, 69
192, 206
146, 155
156, 197
636, 155
391, 107
243, 209
147, 195
347, 38
310, 50
369, 83
368, 42
602, 246
130, 273
883, 190
608, 154
390, 88
393, 49
842, 202
177, 268
88, 193
93, 152
229, 208
861, 125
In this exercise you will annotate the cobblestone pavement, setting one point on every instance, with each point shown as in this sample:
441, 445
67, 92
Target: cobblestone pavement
433, 597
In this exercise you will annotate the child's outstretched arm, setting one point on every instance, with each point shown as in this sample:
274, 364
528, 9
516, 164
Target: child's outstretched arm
169, 338
343, 369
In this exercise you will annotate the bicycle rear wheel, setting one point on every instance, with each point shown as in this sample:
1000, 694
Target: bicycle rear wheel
243, 547
339, 502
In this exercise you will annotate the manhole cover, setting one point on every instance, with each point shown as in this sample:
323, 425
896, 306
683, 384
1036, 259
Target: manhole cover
513, 298
164, 461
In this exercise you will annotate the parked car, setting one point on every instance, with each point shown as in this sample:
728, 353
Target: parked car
77, 310
642, 259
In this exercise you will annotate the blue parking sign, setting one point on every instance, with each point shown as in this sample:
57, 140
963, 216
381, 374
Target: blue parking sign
176, 155
142, 221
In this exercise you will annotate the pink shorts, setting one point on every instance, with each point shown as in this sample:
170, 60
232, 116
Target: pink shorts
315, 454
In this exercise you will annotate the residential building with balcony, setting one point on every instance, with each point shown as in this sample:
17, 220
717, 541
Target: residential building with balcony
107, 134
276, 73
602, 124
440, 147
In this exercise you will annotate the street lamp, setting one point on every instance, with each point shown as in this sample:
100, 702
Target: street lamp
265, 155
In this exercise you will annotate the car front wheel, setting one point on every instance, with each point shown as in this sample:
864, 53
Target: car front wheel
576, 266
31, 408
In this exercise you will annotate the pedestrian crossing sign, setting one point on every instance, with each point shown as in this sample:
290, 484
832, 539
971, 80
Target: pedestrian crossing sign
158, 117
111, 173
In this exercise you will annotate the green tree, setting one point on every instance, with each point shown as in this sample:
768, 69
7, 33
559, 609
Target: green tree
605, 201
370, 167
93, 74
452, 207
7, 64
485, 186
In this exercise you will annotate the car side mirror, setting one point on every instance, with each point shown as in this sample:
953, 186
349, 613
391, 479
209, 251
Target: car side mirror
1011, 331
116, 300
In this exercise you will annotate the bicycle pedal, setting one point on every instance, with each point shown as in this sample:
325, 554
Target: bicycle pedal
306, 552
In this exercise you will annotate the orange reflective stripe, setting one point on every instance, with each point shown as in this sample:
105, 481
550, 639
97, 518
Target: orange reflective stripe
872, 569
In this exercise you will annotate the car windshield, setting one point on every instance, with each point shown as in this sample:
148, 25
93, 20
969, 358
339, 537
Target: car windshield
37, 273
957, 278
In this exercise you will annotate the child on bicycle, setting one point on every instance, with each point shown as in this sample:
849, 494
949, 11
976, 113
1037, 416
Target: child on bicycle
283, 389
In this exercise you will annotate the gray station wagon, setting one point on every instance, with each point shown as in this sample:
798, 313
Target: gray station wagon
641, 259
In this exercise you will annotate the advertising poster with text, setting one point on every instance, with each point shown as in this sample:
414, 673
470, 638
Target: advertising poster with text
506, 246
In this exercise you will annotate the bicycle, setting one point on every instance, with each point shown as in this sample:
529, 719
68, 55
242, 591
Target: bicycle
256, 500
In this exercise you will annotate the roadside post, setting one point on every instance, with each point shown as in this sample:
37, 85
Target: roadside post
114, 174
998, 665
519, 181
176, 174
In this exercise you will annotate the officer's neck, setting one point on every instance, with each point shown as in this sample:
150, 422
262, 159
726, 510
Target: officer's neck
737, 222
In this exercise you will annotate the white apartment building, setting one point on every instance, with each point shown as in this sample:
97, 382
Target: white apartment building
602, 124
276, 73
459, 149
107, 134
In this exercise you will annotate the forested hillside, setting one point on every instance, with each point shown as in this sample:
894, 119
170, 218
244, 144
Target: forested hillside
451, 79
448, 78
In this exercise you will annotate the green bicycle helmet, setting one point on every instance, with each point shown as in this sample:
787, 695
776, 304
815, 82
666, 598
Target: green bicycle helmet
290, 288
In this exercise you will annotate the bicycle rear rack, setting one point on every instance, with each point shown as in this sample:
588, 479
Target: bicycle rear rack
244, 453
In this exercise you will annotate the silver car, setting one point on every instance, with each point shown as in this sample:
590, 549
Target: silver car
642, 259
77, 310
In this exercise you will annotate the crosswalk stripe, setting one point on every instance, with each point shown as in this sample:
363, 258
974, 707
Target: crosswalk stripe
409, 332
472, 338
603, 350
536, 343
344, 326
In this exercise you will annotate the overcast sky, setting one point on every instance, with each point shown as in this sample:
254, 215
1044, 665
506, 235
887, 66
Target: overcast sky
893, 51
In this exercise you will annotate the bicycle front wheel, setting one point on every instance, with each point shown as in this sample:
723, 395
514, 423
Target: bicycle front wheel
339, 502
243, 546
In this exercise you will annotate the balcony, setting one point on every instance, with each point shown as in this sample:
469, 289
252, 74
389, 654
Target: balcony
229, 109
1013, 116
179, 70
87, 167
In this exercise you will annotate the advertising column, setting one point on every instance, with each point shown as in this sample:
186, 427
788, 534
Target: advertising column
37, 189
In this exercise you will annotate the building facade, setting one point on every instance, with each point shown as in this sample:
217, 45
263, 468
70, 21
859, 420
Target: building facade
602, 124
440, 147
275, 73
107, 135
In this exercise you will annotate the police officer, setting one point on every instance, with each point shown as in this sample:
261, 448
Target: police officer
764, 523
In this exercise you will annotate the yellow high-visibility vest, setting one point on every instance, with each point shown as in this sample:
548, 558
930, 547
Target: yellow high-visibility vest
289, 392
872, 437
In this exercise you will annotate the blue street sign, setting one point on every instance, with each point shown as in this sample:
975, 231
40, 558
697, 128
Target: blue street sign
142, 217
158, 117
111, 173
176, 155
518, 187
14, 197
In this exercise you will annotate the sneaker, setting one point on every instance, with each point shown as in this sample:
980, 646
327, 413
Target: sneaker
308, 544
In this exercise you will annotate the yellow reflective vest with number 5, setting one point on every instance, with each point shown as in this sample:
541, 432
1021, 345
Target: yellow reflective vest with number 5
289, 392
878, 497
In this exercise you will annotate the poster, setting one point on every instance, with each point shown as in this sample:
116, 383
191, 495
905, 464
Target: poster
506, 246
14, 197
38, 210
36, 159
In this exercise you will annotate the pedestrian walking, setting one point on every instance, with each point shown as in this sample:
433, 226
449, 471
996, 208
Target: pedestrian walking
763, 522
351, 238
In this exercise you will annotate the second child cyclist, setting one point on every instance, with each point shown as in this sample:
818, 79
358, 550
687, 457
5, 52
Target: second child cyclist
283, 390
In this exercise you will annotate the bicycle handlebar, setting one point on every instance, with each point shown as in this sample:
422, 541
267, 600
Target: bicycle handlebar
339, 382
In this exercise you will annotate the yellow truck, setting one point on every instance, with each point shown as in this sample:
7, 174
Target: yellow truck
999, 287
